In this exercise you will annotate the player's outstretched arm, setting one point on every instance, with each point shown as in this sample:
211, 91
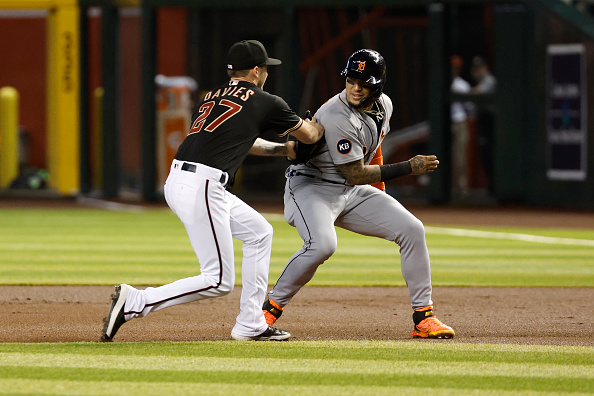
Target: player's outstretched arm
267, 148
357, 173
309, 132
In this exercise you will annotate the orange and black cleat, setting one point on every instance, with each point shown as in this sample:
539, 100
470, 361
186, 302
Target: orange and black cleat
430, 326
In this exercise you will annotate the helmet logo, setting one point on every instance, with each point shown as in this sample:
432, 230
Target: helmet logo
361, 66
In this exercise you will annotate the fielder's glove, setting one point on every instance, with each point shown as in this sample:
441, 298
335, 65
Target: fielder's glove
304, 152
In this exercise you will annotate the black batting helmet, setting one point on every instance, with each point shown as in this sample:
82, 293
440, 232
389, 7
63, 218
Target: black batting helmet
370, 67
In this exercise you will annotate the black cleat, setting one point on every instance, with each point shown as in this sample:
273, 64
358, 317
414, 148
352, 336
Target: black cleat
115, 318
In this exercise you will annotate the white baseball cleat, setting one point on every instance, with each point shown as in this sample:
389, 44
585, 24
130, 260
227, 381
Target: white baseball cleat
270, 334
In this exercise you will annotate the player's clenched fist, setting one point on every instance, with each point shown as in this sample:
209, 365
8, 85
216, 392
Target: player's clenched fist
423, 164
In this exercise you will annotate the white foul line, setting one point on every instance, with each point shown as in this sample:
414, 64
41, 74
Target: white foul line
107, 205
483, 234
508, 235
274, 216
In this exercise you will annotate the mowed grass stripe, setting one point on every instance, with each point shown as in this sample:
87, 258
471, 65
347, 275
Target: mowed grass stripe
160, 363
397, 351
133, 247
252, 377
57, 387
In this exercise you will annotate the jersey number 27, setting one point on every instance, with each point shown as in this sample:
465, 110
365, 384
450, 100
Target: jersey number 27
206, 108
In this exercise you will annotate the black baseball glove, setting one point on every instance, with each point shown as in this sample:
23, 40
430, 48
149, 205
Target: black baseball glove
303, 151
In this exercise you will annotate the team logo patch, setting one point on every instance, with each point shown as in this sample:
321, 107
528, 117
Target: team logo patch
344, 146
361, 66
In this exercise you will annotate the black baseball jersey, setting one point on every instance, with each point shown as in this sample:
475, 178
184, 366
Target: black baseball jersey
228, 120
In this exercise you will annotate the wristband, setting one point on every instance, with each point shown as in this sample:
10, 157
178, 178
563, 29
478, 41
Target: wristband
392, 171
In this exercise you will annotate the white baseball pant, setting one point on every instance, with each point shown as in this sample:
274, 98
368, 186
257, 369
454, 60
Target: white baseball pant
212, 217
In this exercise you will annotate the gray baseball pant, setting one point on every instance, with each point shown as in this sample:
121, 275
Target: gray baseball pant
314, 207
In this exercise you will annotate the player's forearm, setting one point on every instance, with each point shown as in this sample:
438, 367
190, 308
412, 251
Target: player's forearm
309, 132
369, 174
318, 130
266, 148
357, 173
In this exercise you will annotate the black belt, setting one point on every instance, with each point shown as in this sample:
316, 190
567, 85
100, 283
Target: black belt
297, 173
189, 167
186, 166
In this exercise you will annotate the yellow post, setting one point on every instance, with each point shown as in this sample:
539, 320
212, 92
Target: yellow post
9, 136
63, 115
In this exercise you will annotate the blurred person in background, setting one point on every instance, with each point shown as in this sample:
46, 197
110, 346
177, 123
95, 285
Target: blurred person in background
460, 132
486, 83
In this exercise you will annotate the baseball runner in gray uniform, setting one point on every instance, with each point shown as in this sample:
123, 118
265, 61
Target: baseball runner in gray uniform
332, 188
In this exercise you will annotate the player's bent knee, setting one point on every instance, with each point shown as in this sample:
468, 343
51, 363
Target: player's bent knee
263, 235
415, 231
224, 288
418, 228
323, 251
220, 287
412, 232
268, 232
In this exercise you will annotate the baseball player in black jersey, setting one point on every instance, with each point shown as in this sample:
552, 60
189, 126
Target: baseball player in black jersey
225, 128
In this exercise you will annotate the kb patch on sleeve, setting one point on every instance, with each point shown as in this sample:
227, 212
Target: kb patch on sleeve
344, 146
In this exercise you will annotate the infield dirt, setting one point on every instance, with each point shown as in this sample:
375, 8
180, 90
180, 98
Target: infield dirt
553, 316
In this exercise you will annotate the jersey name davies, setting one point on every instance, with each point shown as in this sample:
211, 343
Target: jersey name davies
241, 93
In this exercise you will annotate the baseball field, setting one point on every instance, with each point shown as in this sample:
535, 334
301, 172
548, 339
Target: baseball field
516, 284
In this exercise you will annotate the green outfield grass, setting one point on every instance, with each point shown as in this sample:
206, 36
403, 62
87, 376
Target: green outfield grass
295, 368
96, 247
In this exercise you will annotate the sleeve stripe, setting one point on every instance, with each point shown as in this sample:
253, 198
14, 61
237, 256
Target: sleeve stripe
292, 129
